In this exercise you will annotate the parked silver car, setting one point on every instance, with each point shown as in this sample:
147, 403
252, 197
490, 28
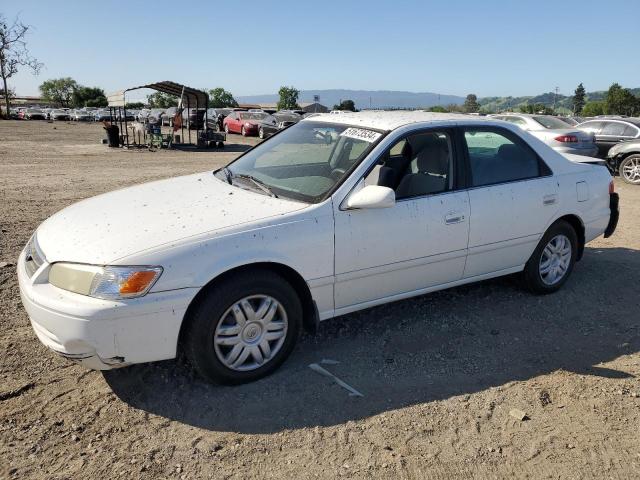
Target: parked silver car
58, 115
79, 115
554, 132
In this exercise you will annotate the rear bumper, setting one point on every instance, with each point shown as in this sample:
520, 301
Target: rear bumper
614, 201
586, 152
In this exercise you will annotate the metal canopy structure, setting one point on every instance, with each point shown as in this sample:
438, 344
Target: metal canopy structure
191, 95
191, 98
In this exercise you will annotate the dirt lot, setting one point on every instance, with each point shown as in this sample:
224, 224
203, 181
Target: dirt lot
440, 373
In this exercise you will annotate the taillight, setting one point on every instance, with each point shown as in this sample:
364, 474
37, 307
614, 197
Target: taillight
566, 139
612, 187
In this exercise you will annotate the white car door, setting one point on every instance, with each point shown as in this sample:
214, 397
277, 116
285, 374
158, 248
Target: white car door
418, 243
513, 198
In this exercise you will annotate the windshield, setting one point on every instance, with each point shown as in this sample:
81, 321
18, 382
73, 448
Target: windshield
304, 162
252, 115
551, 122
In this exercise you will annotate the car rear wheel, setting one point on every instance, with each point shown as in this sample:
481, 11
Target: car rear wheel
243, 328
553, 259
630, 169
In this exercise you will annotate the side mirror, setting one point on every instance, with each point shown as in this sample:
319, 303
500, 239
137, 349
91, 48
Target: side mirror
372, 196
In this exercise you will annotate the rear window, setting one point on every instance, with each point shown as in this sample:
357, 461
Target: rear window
551, 122
591, 127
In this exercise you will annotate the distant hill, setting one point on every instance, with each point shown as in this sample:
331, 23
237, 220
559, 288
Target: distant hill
401, 99
365, 98
564, 102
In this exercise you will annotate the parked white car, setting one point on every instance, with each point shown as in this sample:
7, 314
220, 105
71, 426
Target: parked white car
554, 132
334, 214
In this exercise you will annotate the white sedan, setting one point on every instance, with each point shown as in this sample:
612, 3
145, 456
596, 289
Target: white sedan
332, 215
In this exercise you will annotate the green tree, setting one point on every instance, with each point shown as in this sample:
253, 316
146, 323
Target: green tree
536, 108
220, 98
135, 105
14, 54
59, 91
579, 99
620, 101
347, 105
438, 109
471, 104
593, 109
288, 98
162, 100
89, 97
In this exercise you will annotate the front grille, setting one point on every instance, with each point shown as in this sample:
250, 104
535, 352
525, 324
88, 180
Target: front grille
34, 257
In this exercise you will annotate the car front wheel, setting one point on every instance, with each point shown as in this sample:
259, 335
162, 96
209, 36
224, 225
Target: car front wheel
553, 259
243, 131
630, 169
226, 128
243, 328
261, 133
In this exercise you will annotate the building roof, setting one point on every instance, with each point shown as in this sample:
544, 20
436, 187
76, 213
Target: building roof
390, 120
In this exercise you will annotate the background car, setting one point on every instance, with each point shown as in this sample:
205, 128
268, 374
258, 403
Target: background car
168, 115
245, 123
34, 114
58, 115
274, 123
555, 133
624, 159
611, 131
102, 115
216, 116
80, 115
193, 118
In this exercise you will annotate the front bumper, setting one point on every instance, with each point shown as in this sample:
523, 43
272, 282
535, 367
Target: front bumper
614, 201
102, 334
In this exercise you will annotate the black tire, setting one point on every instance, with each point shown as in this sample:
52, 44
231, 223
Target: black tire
197, 340
635, 158
532, 277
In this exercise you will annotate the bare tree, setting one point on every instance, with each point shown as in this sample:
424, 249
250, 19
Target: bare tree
14, 53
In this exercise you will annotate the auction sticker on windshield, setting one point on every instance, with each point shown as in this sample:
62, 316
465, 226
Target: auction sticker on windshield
361, 134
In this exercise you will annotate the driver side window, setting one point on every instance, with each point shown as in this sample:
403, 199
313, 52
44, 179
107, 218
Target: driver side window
418, 165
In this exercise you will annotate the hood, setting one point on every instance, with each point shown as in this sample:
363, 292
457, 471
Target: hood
103, 229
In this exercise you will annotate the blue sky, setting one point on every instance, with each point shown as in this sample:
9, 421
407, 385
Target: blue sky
488, 47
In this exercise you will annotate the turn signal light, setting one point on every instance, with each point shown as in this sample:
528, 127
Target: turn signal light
137, 282
566, 139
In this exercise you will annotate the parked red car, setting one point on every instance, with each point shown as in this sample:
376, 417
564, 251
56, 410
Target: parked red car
246, 123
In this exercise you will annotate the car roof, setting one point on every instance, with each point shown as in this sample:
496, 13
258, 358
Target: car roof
390, 120
633, 120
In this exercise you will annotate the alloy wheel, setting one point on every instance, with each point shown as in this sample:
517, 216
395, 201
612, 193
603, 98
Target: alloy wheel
631, 170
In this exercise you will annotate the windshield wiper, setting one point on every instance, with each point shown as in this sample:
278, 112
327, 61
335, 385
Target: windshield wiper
258, 183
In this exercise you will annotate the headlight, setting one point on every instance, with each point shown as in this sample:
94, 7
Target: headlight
109, 283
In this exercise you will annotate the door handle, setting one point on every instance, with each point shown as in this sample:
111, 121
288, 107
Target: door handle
549, 199
453, 217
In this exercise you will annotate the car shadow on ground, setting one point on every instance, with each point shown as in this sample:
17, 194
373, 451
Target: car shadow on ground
425, 349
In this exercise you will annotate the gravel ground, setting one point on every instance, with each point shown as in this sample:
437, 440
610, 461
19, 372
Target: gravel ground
440, 374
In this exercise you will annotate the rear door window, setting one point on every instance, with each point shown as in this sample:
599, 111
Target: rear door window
613, 129
496, 156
